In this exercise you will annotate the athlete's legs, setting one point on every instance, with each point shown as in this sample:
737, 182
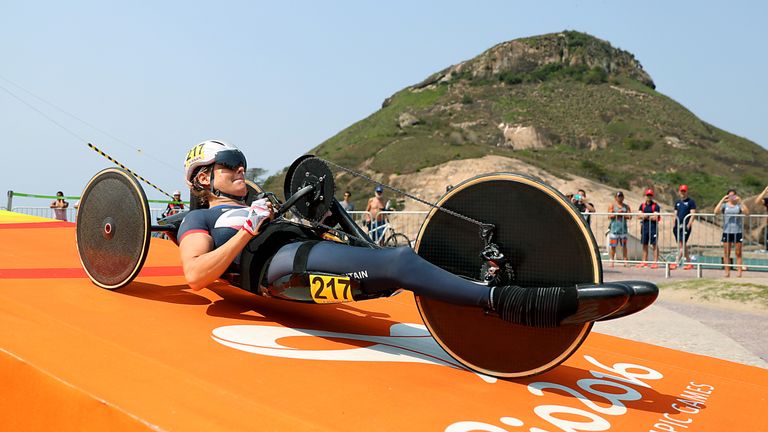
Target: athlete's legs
379, 270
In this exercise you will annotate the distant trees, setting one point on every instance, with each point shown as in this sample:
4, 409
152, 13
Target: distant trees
256, 175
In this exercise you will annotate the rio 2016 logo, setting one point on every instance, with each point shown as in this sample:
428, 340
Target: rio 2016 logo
602, 394
619, 377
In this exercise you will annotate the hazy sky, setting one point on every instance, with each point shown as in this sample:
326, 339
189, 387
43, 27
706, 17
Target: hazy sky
278, 78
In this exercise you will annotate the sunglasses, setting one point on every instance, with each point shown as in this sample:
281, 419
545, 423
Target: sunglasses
231, 159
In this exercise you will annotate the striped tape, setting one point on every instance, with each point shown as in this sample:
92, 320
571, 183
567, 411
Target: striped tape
129, 170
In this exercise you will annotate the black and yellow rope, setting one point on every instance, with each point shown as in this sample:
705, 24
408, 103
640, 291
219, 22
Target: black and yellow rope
96, 149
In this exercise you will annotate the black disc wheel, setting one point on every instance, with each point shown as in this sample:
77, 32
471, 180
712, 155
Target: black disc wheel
113, 228
396, 240
547, 243
310, 171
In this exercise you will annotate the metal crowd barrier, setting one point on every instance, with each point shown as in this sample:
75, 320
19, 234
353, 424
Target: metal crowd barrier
405, 222
47, 212
709, 248
704, 244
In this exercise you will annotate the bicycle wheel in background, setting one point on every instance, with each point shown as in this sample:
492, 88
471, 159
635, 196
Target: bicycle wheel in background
397, 239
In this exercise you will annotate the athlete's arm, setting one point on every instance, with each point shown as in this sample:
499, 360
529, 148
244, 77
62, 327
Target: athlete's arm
202, 263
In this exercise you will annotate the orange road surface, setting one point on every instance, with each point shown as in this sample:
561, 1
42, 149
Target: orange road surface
156, 355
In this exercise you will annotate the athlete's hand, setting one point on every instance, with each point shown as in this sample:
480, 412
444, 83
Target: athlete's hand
260, 211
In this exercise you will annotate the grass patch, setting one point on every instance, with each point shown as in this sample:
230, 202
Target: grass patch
717, 289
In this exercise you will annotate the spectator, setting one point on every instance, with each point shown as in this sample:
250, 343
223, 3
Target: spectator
177, 206
373, 217
60, 207
346, 204
618, 232
649, 232
733, 228
764, 198
580, 201
682, 230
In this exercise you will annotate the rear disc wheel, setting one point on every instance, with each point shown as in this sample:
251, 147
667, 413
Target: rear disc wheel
547, 243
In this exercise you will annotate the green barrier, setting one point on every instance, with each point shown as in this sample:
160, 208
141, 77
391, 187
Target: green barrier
43, 196
77, 198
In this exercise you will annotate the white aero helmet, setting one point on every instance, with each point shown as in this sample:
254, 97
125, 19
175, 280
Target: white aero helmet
209, 152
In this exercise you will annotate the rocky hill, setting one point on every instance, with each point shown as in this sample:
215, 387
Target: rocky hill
566, 104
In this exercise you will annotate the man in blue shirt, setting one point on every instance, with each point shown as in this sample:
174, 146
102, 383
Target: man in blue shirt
682, 230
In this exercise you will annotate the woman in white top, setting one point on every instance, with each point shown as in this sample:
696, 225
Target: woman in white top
733, 228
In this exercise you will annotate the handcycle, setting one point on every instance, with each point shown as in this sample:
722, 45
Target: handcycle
469, 235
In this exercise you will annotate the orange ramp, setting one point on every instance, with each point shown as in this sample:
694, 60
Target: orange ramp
158, 356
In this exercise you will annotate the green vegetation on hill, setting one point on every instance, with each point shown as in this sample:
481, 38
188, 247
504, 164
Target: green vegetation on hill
594, 109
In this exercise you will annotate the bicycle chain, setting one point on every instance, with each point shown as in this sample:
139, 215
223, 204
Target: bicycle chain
483, 226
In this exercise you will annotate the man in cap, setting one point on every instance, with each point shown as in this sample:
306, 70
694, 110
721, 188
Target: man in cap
649, 233
684, 207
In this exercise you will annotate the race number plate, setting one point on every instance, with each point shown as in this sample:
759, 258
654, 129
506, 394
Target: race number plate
330, 289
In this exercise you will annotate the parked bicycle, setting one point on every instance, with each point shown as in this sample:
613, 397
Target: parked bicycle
385, 235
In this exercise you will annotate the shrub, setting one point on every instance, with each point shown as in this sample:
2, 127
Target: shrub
594, 170
751, 182
637, 143
596, 75
510, 78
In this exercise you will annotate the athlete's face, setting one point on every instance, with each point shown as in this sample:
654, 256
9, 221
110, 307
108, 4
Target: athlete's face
230, 180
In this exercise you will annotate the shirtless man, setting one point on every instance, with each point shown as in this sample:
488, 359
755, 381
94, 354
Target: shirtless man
373, 218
